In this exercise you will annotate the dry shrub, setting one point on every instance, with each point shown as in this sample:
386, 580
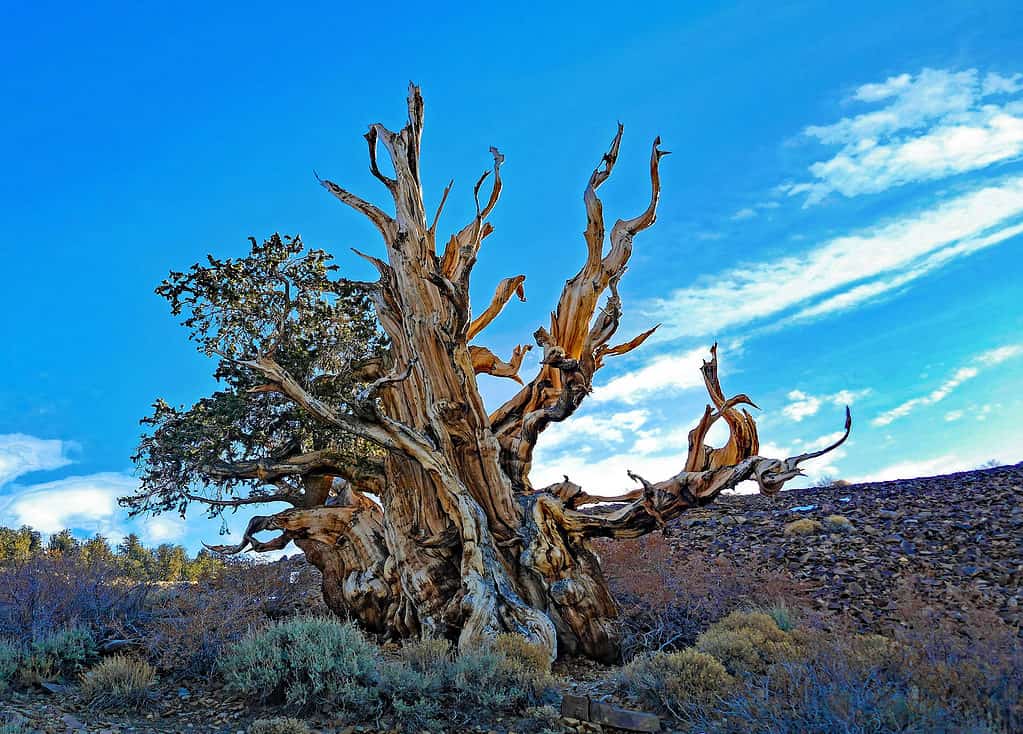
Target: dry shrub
803, 526
192, 624
969, 656
668, 600
50, 592
679, 683
838, 524
748, 642
426, 655
279, 725
841, 682
119, 682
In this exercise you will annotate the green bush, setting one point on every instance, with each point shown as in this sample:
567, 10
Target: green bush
11, 655
431, 689
62, 654
305, 663
279, 725
680, 683
747, 642
13, 727
782, 616
506, 675
119, 682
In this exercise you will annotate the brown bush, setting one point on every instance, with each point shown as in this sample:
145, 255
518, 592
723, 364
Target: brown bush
669, 598
57, 591
192, 623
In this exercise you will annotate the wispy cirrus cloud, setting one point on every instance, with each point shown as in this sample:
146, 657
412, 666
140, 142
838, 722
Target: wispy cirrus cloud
669, 372
849, 270
922, 127
963, 374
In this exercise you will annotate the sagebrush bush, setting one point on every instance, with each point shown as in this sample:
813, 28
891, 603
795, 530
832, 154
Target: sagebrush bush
307, 663
747, 642
429, 686
279, 725
118, 682
11, 655
61, 654
679, 683
803, 526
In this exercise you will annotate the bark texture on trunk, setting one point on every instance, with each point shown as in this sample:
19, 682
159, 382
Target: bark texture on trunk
446, 536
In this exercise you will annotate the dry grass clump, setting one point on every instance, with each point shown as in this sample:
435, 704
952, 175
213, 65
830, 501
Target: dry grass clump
118, 682
748, 642
426, 655
803, 526
838, 524
680, 683
278, 725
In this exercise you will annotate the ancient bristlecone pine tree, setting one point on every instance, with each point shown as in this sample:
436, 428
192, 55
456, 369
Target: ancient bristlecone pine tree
412, 499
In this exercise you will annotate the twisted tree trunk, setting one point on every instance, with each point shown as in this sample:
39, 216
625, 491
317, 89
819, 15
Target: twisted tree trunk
461, 545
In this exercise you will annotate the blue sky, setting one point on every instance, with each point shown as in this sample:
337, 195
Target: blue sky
842, 212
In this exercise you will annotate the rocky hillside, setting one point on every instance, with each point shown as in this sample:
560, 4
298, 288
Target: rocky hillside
953, 538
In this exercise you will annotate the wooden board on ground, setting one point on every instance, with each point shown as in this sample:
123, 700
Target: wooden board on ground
585, 709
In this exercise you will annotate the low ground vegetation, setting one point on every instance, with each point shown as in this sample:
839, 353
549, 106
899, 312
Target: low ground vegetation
713, 646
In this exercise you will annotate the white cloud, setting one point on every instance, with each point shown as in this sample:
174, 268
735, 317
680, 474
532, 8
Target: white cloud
802, 405
609, 429
86, 502
667, 372
163, 529
746, 213
982, 361
953, 415
944, 464
21, 454
932, 125
849, 270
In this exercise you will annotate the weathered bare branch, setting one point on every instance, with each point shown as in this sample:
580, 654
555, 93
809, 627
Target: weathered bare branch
382, 221
505, 290
486, 362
